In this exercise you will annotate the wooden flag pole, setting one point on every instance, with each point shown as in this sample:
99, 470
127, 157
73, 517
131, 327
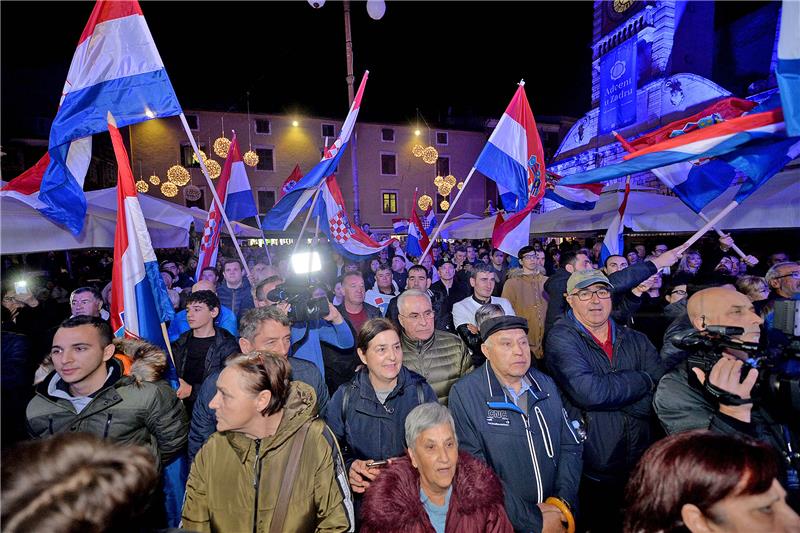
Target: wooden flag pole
439, 226
702, 231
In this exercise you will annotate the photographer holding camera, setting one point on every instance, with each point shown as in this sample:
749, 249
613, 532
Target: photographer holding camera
721, 396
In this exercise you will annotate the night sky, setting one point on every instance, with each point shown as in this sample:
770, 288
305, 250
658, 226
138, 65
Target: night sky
462, 58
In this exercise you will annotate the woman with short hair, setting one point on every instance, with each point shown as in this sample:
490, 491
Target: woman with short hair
271, 460
435, 487
700, 481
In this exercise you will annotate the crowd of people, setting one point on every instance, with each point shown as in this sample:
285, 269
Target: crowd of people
556, 390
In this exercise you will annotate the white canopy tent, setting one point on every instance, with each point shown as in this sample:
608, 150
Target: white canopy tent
24, 230
775, 205
457, 222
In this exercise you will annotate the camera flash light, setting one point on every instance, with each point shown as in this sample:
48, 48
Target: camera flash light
306, 262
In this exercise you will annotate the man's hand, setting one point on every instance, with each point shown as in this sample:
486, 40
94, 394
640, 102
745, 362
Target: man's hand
360, 476
184, 390
725, 375
333, 316
553, 519
644, 286
27, 298
473, 329
668, 258
750, 260
725, 242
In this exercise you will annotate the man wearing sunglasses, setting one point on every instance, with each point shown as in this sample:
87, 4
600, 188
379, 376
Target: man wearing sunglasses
608, 374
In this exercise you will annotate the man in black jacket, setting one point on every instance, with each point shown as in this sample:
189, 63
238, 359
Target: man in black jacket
202, 350
608, 374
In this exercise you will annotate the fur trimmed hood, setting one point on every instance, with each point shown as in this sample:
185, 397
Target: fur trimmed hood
392, 503
149, 362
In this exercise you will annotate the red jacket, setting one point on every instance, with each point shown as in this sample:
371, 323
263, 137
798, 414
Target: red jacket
392, 502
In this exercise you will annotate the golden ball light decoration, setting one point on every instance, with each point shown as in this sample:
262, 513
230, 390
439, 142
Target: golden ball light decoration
460, 185
214, 169
445, 205
430, 155
178, 176
203, 156
450, 180
438, 181
155, 180
142, 186
250, 158
425, 202
221, 146
169, 189
417, 150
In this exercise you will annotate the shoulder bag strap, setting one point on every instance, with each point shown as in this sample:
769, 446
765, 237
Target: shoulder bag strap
289, 475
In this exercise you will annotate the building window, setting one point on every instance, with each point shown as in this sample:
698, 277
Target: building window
193, 122
443, 166
441, 137
266, 159
389, 203
263, 126
439, 199
329, 130
200, 202
266, 199
186, 155
387, 135
388, 165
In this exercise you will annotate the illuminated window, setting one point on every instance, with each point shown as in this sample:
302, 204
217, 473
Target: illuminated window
390, 203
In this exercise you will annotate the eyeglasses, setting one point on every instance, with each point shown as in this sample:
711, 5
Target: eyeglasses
584, 296
529, 257
427, 315
679, 291
795, 275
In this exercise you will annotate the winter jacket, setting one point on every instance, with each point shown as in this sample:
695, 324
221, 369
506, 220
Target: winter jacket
16, 391
225, 320
441, 360
671, 354
443, 315
371, 310
204, 419
613, 398
237, 300
393, 505
623, 281
457, 292
536, 454
527, 297
234, 481
307, 339
224, 345
127, 410
367, 429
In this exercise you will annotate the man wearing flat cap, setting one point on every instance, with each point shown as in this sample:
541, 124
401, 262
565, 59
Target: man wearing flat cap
510, 415
608, 374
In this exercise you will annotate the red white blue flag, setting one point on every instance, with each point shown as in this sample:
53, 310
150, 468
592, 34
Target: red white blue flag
291, 181
513, 158
788, 68
577, 197
417, 237
116, 68
613, 241
294, 201
238, 200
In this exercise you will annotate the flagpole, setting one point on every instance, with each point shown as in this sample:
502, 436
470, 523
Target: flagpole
628, 148
169, 345
702, 231
440, 225
263, 236
220, 205
308, 216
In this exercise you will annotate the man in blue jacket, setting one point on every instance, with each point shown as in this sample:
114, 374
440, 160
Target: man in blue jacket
608, 375
510, 416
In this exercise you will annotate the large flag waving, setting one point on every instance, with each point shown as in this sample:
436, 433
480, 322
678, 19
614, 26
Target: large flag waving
576, 197
139, 302
513, 158
788, 71
116, 68
348, 239
294, 201
291, 181
238, 200
613, 241
417, 236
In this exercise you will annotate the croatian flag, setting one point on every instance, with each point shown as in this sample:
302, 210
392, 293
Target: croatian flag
578, 197
347, 239
788, 70
514, 159
291, 181
116, 68
400, 225
429, 220
417, 237
239, 203
613, 241
294, 201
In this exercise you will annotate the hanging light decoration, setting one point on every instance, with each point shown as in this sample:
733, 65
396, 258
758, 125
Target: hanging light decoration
430, 155
445, 205
142, 186
450, 180
155, 180
425, 202
460, 185
222, 145
169, 189
192, 192
250, 158
438, 181
178, 175
203, 156
417, 150
214, 170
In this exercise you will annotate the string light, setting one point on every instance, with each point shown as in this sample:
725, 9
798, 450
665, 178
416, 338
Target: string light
450, 180
169, 189
155, 180
460, 185
142, 186
445, 205
192, 193
222, 144
417, 150
430, 155
250, 158
438, 181
425, 202
178, 175
203, 156
214, 170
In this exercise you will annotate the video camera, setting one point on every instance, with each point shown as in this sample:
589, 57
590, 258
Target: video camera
778, 384
304, 307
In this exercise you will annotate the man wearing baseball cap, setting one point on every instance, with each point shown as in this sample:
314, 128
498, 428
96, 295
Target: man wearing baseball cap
510, 416
608, 375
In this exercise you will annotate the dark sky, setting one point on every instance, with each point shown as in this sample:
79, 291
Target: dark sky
465, 57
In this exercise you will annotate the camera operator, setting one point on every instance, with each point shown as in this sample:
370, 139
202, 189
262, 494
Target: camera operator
314, 320
721, 400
